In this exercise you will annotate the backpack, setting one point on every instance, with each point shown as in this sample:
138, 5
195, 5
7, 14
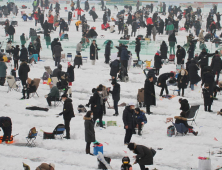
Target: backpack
170, 131
31, 132
45, 76
81, 108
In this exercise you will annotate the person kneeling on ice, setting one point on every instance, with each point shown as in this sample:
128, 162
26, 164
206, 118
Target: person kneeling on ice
89, 130
140, 120
144, 155
126, 164
182, 119
6, 125
45, 166
67, 113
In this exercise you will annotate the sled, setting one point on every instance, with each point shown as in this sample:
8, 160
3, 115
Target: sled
168, 96
121, 105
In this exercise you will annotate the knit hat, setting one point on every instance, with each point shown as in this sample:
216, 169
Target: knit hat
52, 165
131, 146
64, 95
69, 64
131, 104
178, 46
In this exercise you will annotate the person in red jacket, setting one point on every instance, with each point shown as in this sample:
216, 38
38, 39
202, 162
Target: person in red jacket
79, 10
149, 21
36, 16
50, 22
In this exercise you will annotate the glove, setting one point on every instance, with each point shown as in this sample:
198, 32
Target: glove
60, 114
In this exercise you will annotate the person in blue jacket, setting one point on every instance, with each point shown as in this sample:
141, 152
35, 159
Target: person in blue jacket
140, 120
6, 125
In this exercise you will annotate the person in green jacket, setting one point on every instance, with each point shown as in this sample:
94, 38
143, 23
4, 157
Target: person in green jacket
169, 28
53, 95
48, 40
3, 69
22, 39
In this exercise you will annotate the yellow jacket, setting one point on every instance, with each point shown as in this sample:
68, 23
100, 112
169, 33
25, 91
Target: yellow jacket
78, 23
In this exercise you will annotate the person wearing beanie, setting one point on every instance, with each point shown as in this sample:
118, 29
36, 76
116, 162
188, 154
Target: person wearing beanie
53, 95
161, 82
67, 113
180, 54
144, 155
45, 166
115, 95
128, 120
157, 62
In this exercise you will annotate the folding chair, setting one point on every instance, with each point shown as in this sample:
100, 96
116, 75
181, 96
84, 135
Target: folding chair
48, 70
192, 113
57, 102
36, 83
12, 84
31, 140
69, 55
180, 128
85, 58
59, 130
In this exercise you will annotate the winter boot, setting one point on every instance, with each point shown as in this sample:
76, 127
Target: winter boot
70, 95
88, 152
195, 133
178, 93
139, 132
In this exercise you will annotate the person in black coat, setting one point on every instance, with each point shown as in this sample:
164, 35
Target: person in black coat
97, 102
183, 119
144, 155
86, 5
208, 78
104, 19
191, 50
23, 75
120, 25
41, 19
161, 26
16, 56
46, 28
193, 74
207, 95
216, 65
70, 17
149, 94
119, 50
70, 71
24, 54
11, 32
157, 62
94, 15
128, 120
129, 19
115, 68
182, 81
181, 54
162, 82
107, 52
93, 52
6, 125
134, 28
184, 105
31, 49
203, 59
91, 33
115, 95
67, 113
163, 51
38, 46
89, 130
138, 48
54, 43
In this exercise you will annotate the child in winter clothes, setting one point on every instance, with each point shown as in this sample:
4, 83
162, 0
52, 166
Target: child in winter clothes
140, 119
207, 98
126, 164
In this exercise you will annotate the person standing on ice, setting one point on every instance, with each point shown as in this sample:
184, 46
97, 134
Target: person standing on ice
128, 121
69, 17
6, 125
23, 76
86, 5
93, 52
107, 52
149, 94
115, 95
67, 113
144, 156
89, 131
79, 10
181, 54
172, 42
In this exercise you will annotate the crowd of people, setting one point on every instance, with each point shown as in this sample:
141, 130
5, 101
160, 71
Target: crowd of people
133, 118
